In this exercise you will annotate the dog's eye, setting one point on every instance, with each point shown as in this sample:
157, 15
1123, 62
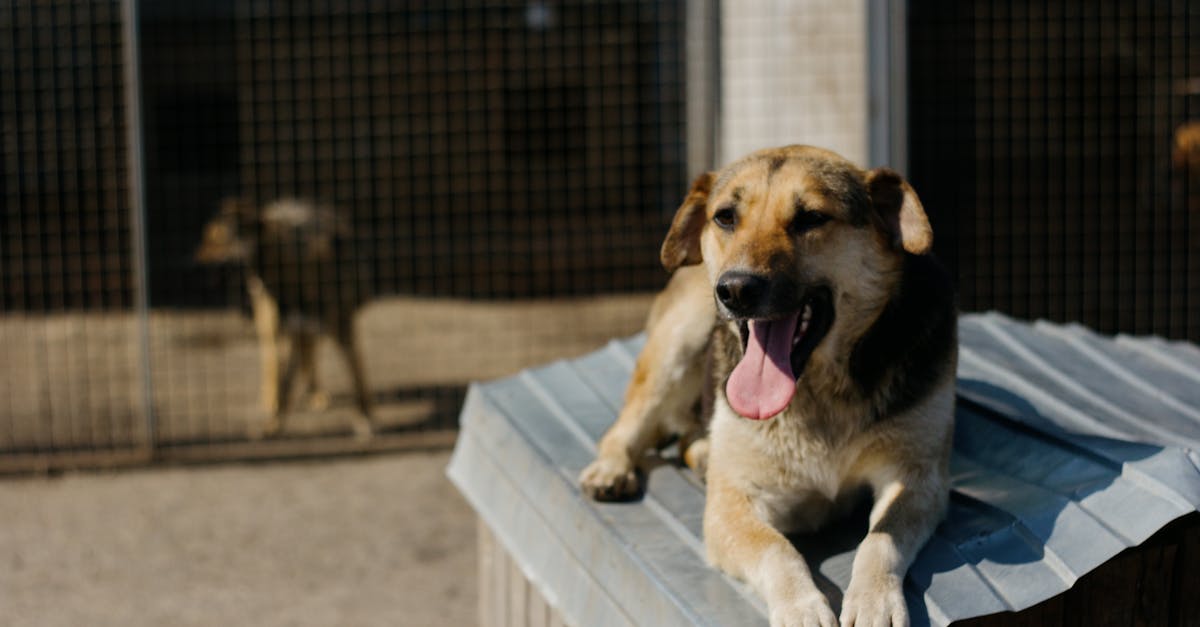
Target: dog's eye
808, 220
726, 218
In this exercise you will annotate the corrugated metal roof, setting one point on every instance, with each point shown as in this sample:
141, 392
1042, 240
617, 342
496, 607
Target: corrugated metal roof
1069, 447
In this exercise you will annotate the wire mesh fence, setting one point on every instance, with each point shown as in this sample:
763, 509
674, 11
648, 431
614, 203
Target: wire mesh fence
68, 380
1052, 140
350, 208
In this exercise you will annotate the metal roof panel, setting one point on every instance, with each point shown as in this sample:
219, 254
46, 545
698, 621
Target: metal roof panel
1069, 447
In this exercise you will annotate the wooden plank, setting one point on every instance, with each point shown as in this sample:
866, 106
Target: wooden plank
518, 596
538, 612
1185, 587
1151, 598
1104, 597
486, 554
506, 597
499, 578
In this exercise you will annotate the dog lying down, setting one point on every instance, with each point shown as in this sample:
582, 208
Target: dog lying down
805, 303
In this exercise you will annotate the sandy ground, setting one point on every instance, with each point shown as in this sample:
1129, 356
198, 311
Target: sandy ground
383, 540
365, 541
76, 380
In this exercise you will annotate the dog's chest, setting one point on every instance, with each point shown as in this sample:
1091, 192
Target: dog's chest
798, 471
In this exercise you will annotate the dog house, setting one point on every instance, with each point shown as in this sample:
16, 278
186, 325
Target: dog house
1076, 483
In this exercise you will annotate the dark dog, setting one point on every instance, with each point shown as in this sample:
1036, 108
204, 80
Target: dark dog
303, 279
830, 336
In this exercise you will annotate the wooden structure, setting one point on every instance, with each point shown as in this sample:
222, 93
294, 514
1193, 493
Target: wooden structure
1075, 475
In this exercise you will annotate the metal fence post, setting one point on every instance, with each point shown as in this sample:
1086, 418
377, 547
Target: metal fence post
137, 204
887, 76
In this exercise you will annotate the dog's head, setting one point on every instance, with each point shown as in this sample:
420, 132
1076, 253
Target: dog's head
803, 250
224, 237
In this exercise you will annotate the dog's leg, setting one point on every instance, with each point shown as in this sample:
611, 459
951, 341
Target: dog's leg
694, 444
266, 326
908, 506
659, 395
663, 391
695, 451
287, 378
318, 400
348, 345
747, 547
910, 500
905, 513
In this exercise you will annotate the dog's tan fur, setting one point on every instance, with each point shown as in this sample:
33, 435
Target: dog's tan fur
242, 232
853, 423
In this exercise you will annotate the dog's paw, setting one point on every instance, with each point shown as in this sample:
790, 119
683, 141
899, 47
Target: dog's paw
696, 457
808, 611
881, 603
318, 400
609, 480
362, 428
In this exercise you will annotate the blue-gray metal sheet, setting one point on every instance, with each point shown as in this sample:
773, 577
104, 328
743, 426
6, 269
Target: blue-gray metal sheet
1069, 447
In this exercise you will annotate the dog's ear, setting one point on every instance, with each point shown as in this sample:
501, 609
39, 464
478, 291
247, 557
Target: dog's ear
240, 210
900, 211
682, 245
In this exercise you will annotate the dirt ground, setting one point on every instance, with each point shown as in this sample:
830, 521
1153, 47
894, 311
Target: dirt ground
381, 540
363, 541
76, 379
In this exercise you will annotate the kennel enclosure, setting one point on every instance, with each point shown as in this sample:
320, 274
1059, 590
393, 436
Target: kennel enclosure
509, 169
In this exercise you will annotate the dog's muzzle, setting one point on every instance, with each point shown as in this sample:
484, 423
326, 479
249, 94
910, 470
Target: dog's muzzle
743, 294
781, 324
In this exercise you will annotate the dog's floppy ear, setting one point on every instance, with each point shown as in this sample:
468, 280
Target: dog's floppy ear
682, 245
901, 212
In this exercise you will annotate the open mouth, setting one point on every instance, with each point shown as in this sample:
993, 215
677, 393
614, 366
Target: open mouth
775, 353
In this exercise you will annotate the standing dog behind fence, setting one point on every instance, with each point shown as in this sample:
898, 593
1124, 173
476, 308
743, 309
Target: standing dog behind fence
302, 276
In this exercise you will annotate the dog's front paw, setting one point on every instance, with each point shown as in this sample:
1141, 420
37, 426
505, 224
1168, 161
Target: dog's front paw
808, 611
695, 455
268, 428
881, 603
609, 480
362, 428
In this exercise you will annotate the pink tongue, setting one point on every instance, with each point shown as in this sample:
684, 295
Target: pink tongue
762, 384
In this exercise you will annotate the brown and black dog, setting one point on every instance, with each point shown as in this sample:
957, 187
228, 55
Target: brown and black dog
303, 280
805, 299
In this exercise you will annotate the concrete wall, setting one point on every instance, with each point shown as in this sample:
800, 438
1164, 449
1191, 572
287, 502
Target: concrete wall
794, 71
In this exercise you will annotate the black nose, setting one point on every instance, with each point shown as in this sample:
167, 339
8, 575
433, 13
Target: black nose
741, 292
